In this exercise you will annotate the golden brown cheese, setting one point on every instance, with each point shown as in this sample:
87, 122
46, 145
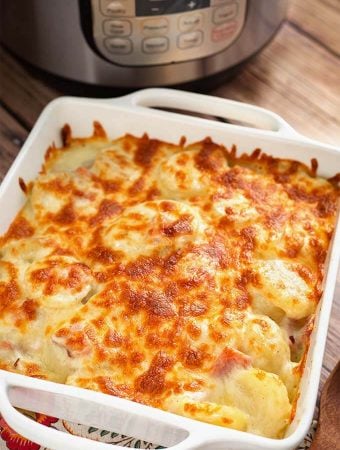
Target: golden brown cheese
181, 277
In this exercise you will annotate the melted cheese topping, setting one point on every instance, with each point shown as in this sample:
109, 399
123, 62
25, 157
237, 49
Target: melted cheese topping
181, 277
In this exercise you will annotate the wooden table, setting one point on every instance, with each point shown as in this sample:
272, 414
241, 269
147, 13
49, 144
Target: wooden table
297, 76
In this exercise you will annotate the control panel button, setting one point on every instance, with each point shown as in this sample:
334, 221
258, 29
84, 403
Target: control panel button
189, 22
153, 9
118, 46
155, 27
224, 13
117, 28
223, 32
113, 8
188, 40
155, 45
192, 4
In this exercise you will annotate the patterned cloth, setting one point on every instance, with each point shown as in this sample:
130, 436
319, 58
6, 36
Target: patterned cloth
11, 440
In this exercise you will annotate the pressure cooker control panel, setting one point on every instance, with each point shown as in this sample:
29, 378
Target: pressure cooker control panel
152, 32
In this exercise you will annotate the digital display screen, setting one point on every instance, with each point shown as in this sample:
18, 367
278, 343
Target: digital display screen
160, 7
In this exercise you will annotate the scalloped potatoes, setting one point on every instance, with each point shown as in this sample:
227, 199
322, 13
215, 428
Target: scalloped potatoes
181, 277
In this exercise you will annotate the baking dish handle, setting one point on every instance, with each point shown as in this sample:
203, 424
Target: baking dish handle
46, 397
244, 113
42, 435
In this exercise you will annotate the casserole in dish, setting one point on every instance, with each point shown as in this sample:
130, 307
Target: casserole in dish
269, 143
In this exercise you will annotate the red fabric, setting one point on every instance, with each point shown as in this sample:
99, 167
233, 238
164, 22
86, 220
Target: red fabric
16, 442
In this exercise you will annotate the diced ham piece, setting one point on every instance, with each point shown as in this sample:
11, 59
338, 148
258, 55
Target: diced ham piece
229, 360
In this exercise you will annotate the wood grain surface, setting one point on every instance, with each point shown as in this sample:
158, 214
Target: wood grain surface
297, 75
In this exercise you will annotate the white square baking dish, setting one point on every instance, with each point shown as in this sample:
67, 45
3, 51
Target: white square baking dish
132, 113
